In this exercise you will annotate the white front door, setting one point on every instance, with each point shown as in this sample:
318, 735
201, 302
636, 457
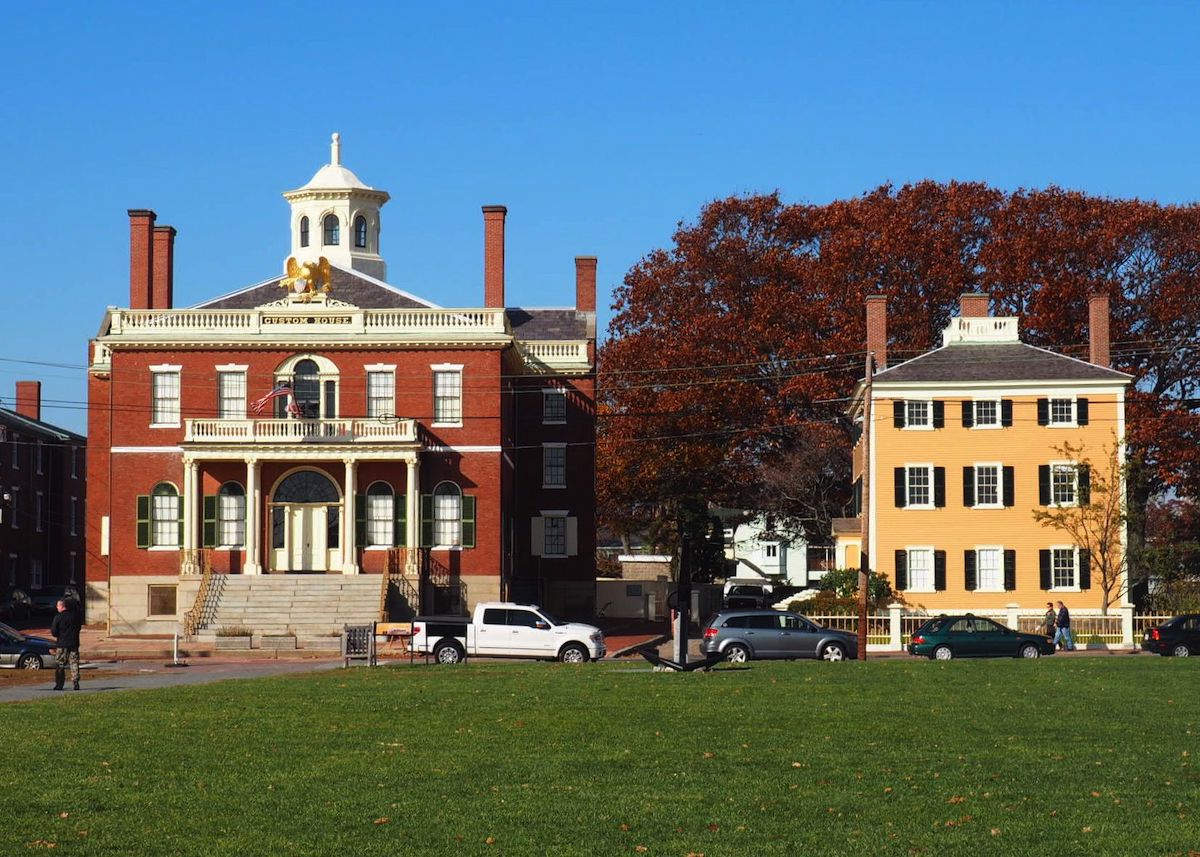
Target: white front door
306, 538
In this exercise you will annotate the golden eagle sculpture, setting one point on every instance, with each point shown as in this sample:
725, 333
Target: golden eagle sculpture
305, 280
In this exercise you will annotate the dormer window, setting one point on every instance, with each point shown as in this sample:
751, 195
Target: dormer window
360, 231
333, 231
303, 231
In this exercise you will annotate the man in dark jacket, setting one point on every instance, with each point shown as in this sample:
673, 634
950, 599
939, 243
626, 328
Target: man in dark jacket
1062, 633
65, 629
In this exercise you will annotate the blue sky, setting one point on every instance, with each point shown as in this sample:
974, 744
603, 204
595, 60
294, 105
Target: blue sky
600, 127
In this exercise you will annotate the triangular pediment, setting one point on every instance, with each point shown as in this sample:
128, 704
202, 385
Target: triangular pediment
346, 287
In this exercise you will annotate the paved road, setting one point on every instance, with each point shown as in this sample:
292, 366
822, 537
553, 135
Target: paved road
140, 675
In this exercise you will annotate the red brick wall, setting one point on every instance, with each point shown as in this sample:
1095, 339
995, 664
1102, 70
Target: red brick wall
493, 255
141, 258
877, 329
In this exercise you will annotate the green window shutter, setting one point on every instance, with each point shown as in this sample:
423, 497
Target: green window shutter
970, 577
210, 520
143, 521
1044, 568
468, 521
360, 520
901, 570
968, 487
939, 570
179, 541
426, 520
1010, 570
400, 521
1085, 568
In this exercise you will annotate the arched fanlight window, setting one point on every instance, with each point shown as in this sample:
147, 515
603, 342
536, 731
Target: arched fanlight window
360, 231
332, 231
304, 231
231, 515
306, 389
306, 486
380, 515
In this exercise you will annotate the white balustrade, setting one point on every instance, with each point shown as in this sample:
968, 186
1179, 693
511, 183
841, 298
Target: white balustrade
300, 431
303, 318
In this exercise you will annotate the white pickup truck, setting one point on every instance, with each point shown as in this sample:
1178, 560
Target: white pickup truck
500, 629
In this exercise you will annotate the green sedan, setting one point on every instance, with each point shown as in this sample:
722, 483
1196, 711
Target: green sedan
968, 636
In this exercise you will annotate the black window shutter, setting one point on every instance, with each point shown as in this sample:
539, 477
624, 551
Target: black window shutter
360, 520
939, 414
1081, 411
939, 571
400, 520
1043, 412
969, 576
901, 571
898, 413
1044, 568
1010, 570
1085, 568
210, 521
468, 521
857, 498
968, 414
900, 488
968, 486
939, 487
1006, 412
1044, 484
1010, 487
143, 521
426, 520
1085, 484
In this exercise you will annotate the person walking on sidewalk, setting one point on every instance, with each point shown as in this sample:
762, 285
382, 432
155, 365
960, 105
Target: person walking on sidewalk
65, 629
1062, 624
1050, 620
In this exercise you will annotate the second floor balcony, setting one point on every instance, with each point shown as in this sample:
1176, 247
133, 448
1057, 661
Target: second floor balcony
272, 431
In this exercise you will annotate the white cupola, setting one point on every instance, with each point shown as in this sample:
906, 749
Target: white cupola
337, 216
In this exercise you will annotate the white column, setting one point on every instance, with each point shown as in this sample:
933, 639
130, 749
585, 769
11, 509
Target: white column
188, 564
1126, 612
349, 531
1012, 616
895, 627
412, 535
253, 564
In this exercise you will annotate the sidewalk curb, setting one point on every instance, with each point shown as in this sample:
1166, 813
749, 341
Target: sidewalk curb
653, 642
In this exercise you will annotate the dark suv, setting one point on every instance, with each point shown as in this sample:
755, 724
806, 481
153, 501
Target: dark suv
745, 595
742, 635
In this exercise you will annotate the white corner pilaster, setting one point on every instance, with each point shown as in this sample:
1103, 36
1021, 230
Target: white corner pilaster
350, 549
253, 564
412, 535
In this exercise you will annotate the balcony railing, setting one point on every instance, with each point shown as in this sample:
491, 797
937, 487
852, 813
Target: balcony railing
556, 354
301, 431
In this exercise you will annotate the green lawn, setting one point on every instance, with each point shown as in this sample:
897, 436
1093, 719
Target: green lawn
1088, 756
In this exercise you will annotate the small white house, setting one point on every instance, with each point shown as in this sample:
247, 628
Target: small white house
769, 556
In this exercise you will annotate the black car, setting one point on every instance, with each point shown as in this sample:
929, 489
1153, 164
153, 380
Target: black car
46, 600
24, 652
1179, 637
16, 605
746, 596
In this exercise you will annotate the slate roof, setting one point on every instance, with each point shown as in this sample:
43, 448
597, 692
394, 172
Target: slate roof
1009, 361
25, 425
349, 286
548, 323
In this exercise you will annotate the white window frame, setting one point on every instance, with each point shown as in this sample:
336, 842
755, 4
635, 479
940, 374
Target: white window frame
1059, 466
559, 396
442, 522
36, 573
74, 516
231, 371
375, 519
74, 462
13, 507
998, 586
908, 414
548, 465
156, 521
1074, 585
560, 521
924, 549
447, 369
161, 371
224, 522
908, 486
771, 550
39, 518
378, 406
39, 451
999, 504
1073, 404
999, 423
16, 452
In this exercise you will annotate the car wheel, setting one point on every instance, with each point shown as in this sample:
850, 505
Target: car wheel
1030, 651
1181, 651
448, 653
833, 652
737, 654
573, 654
29, 662
942, 653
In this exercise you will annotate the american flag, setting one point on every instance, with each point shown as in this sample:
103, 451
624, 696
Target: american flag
283, 388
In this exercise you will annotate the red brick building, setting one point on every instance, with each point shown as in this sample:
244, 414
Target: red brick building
42, 493
451, 448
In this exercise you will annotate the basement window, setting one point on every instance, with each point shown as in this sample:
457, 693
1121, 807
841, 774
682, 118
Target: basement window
162, 601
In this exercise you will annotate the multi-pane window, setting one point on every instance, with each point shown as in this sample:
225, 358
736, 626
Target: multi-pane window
447, 396
1062, 411
14, 509
39, 457
987, 485
917, 414
381, 393
554, 406
35, 574
555, 535
304, 231
39, 519
164, 516
1063, 567
231, 515
16, 452
379, 515
162, 600
231, 395
74, 462
165, 409
987, 413
360, 231
74, 516
554, 465
333, 231
920, 485
920, 569
1063, 483
447, 515
989, 566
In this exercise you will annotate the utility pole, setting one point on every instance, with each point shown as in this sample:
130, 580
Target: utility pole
683, 592
864, 553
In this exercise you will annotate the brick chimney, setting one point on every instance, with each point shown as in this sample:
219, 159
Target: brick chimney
585, 283
877, 329
973, 305
1098, 320
162, 280
493, 255
141, 257
29, 399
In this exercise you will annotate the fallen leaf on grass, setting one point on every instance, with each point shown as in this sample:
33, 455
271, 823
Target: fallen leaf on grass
641, 849
956, 799
42, 843
797, 765
491, 840
995, 831
381, 820
64, 815
708, 755
714, 827
1087, 830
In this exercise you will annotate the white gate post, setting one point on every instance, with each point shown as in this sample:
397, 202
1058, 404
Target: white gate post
894, 609
1127, 625
1012, 619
